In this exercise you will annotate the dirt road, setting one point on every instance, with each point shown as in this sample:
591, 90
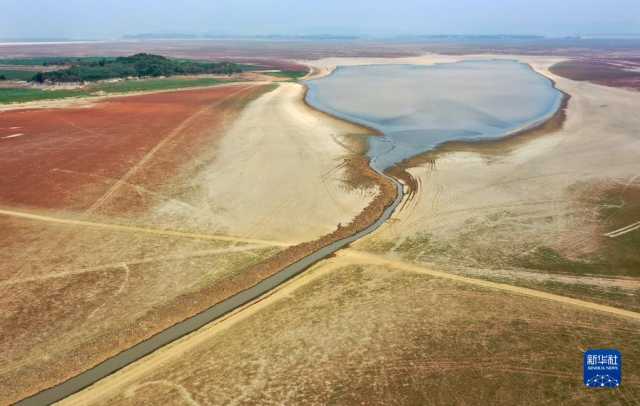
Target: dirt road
366, 258
111, 385
135, 229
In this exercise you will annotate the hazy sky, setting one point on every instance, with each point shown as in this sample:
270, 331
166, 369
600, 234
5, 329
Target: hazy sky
114, 18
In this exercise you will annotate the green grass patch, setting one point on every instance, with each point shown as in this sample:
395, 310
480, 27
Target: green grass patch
138, 65
375, 245
249, 67
548, 259
619, 256
424, 247
153, 85
22, 95
16, 75
288, 74
612, 296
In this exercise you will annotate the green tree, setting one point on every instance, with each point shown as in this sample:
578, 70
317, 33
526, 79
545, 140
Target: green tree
38, 77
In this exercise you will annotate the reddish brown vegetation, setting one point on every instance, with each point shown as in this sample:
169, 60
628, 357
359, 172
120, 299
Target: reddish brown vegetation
615, 72
68, 158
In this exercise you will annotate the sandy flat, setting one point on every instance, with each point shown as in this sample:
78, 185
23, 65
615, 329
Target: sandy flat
599, 141
277, 173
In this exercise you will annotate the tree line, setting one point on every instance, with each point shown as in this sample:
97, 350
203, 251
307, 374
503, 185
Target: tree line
139, 65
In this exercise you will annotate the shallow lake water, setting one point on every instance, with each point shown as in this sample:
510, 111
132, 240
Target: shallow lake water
418, 107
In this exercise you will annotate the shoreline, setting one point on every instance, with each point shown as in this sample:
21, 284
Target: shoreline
369, 130
488, 147
359, 174
494, 146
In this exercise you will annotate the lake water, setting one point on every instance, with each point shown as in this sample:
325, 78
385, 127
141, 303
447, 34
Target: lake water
418, 107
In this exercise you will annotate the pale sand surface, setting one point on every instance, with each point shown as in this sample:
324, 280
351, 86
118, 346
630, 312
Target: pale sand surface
277, 174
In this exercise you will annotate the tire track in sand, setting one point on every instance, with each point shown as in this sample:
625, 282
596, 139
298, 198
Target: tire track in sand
142, 230
121, 264
173, 134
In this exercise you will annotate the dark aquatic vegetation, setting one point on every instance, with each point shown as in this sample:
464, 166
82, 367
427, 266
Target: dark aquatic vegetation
418, 107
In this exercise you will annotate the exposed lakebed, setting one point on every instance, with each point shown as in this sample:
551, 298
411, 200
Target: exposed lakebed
418, 107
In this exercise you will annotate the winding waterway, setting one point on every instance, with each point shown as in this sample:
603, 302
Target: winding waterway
415, 108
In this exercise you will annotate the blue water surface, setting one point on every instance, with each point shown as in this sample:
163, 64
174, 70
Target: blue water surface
418, 107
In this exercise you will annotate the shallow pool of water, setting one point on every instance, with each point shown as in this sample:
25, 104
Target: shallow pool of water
418, 107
